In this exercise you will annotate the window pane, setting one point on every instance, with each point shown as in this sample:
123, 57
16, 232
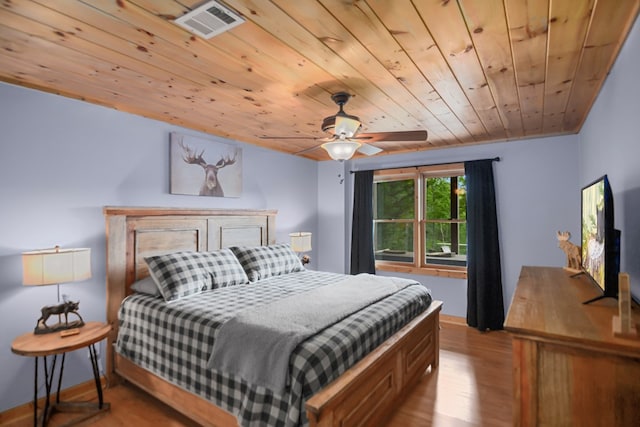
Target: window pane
440, 250
462, 198
393, 241
462, 236
438, 198
437, 235
394, 199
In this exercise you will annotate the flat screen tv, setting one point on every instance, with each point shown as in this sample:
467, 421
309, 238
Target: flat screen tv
600, 240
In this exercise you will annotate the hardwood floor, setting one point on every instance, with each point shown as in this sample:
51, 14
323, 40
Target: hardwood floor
471, 387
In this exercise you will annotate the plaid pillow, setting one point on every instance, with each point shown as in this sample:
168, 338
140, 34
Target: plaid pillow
262, 262
182, 274
227, 270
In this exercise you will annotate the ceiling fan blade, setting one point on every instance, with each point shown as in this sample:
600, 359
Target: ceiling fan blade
410, 135
368, 150
308, 150
291, 137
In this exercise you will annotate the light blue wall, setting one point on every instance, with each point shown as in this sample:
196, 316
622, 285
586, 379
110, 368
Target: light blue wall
537, 194
332, 204
61, 161
610, 144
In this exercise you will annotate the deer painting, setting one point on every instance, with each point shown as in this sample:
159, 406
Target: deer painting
572, 251
211, 185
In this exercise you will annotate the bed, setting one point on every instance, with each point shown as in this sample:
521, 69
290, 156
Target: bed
358, 394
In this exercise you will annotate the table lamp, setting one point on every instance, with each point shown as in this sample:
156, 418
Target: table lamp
300, 243
55, 266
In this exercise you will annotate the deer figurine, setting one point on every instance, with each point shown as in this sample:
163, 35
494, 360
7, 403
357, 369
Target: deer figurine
66, 308
572, 251
211, 185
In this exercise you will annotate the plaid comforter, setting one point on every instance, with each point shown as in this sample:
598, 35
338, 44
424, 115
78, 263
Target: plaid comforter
174, 341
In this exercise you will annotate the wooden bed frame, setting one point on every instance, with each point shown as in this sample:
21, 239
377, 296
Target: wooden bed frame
363, 395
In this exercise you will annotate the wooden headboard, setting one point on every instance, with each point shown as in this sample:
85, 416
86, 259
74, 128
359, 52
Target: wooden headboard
136, 232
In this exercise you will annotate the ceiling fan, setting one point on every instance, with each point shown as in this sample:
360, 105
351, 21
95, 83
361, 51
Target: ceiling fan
347, 139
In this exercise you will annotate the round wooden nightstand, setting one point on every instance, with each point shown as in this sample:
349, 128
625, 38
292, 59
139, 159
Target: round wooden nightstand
53, 344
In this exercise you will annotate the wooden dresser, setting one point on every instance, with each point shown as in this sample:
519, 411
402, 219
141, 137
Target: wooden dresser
569, 369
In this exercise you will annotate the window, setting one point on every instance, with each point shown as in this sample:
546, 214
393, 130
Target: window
420, 220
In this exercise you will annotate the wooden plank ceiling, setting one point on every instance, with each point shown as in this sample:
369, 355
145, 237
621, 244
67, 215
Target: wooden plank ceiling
467, 71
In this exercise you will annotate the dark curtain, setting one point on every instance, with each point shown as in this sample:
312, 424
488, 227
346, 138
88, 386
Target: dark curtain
485, 307
362, 257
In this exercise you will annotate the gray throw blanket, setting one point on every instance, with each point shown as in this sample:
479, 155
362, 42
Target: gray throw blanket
257, 343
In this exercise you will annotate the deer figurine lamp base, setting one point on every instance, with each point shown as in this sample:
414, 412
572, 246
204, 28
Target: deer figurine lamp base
63, 309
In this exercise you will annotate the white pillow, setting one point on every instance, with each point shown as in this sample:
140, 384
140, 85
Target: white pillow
146, 286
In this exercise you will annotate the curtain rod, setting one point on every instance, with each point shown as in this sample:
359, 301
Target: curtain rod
494, 159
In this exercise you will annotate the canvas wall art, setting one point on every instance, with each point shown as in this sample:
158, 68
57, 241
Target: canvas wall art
205, 168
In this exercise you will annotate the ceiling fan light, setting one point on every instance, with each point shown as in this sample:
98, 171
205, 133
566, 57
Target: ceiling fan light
347, 126
341, 150
329, 123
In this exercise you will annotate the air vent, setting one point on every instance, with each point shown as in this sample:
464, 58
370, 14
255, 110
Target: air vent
210, 19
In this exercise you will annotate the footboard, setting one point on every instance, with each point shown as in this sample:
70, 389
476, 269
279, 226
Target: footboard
365, 394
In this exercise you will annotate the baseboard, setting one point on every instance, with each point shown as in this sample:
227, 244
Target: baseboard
456, 320
76, 392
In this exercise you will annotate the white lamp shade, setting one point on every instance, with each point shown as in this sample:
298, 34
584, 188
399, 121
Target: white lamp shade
300, 241
341, 150
55, 266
